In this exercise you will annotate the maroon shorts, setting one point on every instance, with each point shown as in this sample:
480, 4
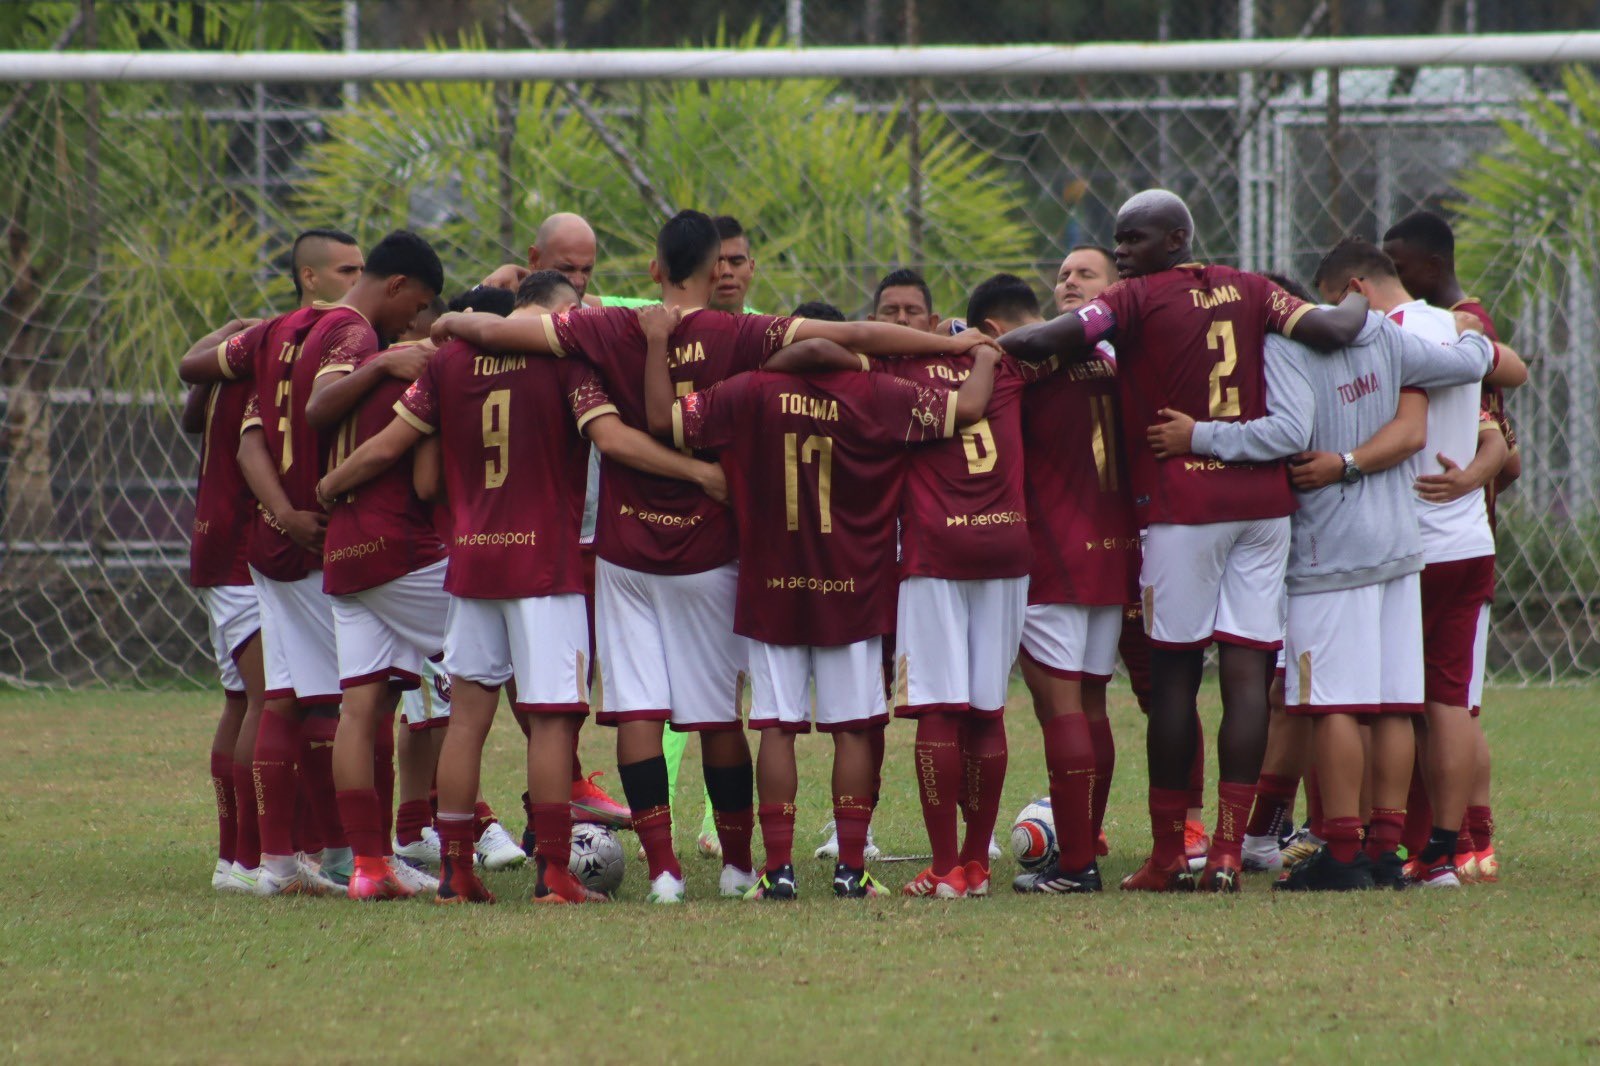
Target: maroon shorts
1453, 599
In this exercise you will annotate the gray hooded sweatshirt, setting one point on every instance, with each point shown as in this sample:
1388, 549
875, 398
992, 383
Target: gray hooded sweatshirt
1346, 535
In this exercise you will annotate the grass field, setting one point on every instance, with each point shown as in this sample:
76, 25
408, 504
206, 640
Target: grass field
113, 947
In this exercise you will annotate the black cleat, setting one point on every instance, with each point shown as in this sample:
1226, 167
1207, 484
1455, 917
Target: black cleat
1054, 880
852, 883
774, 884
1323, 873
1388, 871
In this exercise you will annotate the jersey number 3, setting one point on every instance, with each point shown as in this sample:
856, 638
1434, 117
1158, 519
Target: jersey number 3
1224, 400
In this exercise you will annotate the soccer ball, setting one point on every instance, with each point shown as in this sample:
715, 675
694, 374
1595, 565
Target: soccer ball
1033, 836
596, 857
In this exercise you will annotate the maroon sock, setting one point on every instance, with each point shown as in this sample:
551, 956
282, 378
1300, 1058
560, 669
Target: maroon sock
1480, 823
247, 842
734, 830
851, 816
777, 833
363, 822
318, 730
1233, 813
1343, 837
383, 776
483, 817
1167, 809
1069, 760
654, 827
577, 764
1274, 801
1105, 764
939, 769
307, 834
1419, 816
277, 742
1314, 804
456, 842
227, 806
1197, 769
410, 820
984, 755
1384, 836
1464, 840
552, 834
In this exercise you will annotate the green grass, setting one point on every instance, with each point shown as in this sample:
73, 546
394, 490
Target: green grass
114, 948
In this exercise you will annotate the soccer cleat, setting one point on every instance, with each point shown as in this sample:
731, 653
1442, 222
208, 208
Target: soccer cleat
1388, 871
364, 886
994, 848
1053, 880
423, 852
591, 803
1301, 846
337, 865
411, 877
1220, 875
977, 879
830, 847
460, 886
1324, 873
1262, 852
303, 880
497, 851
1441, 874
734, 882
1488, 866
243, 879
1196, 844
1152, 878
558, 885
222, 876
1102, 846
927, 884
855, 883
774, 884
666, 888
708, 846
1467, 867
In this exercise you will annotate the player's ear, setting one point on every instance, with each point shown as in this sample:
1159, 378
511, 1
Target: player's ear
533, 257
992, 327
655, 273
933, 322
392, 286
1177, 238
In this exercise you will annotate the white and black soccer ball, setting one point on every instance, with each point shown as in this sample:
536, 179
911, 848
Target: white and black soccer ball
596, 857
1033, 836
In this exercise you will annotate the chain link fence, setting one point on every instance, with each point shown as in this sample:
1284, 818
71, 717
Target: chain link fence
139, 215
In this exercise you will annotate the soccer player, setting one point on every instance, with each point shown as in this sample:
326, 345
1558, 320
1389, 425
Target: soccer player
1085, 554
1354, 627
820, 310
666, 567
1189, 337
281, 457
736, 267
815, 598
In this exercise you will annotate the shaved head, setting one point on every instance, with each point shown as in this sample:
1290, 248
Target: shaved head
1153, 232
565, 243
1160, 206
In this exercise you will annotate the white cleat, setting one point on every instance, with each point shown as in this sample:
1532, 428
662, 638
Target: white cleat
497, 851
411, 877
666, 889
994, 849
303, 880
735, 882
1262, 852
424, 852
222, 876
708, 846
830, 847
243, 879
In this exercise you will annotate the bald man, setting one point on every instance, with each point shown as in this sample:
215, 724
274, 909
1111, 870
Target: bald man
565, 243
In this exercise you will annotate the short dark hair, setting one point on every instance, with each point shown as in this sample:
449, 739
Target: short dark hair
541, 286
902, 277
727, 227
686, 244
1004, 295
1289, 285
437, 306
338, 236
1109, 255
1427, 231
1353, 257
403, 252
819, 309
485, 298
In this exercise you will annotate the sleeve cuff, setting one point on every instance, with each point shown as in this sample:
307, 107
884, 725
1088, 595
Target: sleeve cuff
788, 334
549, 324
254, 422
405, 415
595, 412
677, 424
1294, 319
1200, 443
222, 361
335, 368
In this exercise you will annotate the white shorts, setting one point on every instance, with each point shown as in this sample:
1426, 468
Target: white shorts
1220, 581
388, 632
541, 642
428, 705
235, 616
1480, 650
955, 642
1071, 641
849, 682
1356, 651
667, 648
297, 641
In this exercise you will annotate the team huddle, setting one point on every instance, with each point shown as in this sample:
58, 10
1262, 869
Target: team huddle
683, 513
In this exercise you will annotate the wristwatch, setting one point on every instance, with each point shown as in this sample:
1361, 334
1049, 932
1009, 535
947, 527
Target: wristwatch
1352, 472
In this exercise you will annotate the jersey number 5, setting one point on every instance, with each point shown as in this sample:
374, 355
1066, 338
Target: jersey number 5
815, 449
497, 436
1224, 401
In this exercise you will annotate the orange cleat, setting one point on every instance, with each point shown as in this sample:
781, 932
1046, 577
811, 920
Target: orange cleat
952, 885
458, 885
1467, 867
977, 878
1101, 845
1488, 866
591, 803
1221, 875
373, 884
558, 885
1196, 844
1152, 878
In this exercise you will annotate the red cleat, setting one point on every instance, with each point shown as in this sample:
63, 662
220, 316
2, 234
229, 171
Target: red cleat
1221, 875
952, 885
457, 885
1488, 866
558, 885
1102, 846
1196, 844
379, 883
977, 878
590, 803
1152, 878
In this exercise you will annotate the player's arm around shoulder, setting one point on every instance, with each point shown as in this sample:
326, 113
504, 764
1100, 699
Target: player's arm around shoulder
204, 362
1326, 329
340, 387
972, 398
533, 334
657, 323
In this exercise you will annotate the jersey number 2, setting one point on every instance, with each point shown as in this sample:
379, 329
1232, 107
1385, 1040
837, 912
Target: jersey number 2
815, 449
1224, 400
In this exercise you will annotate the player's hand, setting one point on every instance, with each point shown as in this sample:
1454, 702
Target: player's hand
658, 321
239, 325
323, 498
1468, 323
713, 482
1173, 437
985, 349
1453, 484
442, 326
506, 276
1315, 470
968, 339
406, 361
305, 528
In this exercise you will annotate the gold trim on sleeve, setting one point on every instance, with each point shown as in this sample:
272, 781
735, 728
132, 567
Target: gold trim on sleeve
549, 323
594, 413
677, 424
1299, 312
410, 419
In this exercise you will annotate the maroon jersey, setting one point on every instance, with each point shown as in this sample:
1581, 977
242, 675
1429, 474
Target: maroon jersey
381, 530
1191, 338
655, 524
223, 504
962, 515
1080, 509
514, 466
814, 466
1494, 398
278, 356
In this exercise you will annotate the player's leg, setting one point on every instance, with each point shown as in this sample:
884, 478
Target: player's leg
425, 714
590, 802
247, 841
233, 622
1282, 767
780, 708
1393, 737
995, 613
851, 706
730, 791
1479, 823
